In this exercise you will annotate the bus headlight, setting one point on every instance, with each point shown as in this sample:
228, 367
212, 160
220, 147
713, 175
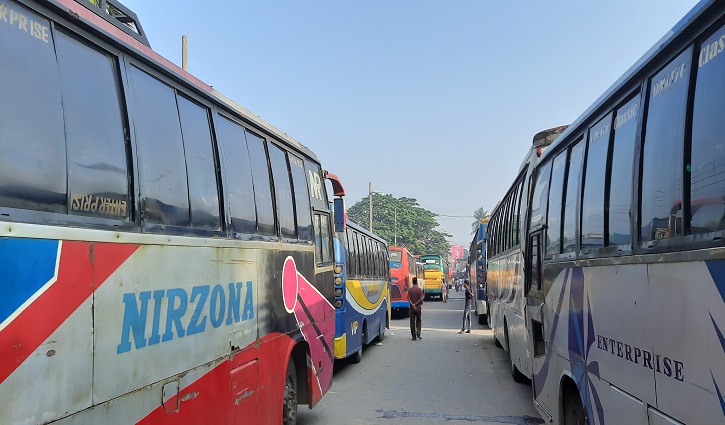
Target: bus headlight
338, 292
338, 281
338, 269
338, 303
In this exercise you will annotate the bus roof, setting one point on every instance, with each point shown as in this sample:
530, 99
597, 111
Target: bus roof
365, 231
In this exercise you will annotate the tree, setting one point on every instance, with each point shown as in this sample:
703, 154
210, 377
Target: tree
413, 227
479, 215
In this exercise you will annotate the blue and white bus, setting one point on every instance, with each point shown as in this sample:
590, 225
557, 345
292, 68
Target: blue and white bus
477, 270
362, 290
625, 251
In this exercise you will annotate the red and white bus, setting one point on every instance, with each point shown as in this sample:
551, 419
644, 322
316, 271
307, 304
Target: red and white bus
403, 268
167, 256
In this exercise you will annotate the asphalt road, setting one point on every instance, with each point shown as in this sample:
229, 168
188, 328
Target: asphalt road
444, 378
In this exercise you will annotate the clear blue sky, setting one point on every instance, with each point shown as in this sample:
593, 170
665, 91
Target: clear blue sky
433, 100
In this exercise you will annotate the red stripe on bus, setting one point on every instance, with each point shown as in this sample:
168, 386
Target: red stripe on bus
80, 272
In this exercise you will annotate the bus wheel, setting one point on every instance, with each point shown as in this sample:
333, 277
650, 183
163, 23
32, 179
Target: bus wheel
381, 335
289, 406
517, 375
357, 357
497, 342
572, 409
481, 319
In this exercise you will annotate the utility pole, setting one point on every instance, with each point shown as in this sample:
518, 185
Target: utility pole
370, 197
395, 225
184, 53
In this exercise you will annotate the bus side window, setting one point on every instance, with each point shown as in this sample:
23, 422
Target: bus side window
238, 191
556, 192
98, 177
620, 177
322, 238
707, 205
162, 168
262, 187
282, 191
200, 165
662, 151
540, 197
302, 200
32, 151
571, 197
593, 211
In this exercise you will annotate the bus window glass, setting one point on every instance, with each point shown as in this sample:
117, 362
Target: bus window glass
318, 196
553, 231
200, 164
282, 191
32, 146
517, 236
318, 239
302, 199
262, 188
351, 269
540, 196
512, 216
592, 234
94, 127
324, 238
162, 167
661, 209
396, 256
620, 186
576, 159
506, 223
238, 191
707, 175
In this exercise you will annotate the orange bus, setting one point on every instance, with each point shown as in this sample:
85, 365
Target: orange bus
402, 270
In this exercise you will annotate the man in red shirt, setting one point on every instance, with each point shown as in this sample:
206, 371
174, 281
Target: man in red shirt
415, 299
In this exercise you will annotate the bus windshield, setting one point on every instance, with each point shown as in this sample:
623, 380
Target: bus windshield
395, 256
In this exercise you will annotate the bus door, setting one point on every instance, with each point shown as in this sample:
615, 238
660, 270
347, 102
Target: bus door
535, 302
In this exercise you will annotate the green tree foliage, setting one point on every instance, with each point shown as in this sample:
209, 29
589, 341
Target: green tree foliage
479, 215
415, 225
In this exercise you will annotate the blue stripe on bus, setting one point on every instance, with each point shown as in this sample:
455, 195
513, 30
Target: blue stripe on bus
25, 266
717, 271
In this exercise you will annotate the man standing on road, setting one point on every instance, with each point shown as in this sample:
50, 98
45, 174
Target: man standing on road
415, 299
467, 308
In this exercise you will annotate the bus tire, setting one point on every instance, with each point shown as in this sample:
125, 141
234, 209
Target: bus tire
357, 357
572, 409
381, 334
517, 375
497, 342
289, 403
481, 319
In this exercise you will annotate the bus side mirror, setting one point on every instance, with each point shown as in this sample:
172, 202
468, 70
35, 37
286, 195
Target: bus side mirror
339, 207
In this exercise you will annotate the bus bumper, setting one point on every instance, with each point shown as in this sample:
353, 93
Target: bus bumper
399, 305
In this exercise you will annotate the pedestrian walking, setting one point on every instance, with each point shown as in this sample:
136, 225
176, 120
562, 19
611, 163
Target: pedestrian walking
415, 299
444, 290
467, 308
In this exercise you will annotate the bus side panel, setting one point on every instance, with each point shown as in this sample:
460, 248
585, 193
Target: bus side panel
366, 303
171, 308
688, 351
47, 329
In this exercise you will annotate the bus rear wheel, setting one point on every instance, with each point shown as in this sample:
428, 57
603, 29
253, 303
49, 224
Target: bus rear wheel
289, 404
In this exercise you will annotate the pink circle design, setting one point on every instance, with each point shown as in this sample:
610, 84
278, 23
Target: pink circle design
289, 284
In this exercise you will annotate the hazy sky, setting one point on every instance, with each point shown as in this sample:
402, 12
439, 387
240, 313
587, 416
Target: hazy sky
433, 100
